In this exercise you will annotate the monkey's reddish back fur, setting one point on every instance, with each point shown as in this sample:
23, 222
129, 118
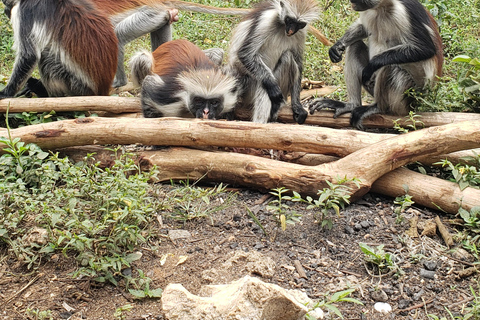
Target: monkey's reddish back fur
116, 6
175, 56
88, 36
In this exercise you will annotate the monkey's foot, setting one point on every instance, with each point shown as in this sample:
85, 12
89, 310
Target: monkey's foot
361, 113
338, 106
299, 113
173, 15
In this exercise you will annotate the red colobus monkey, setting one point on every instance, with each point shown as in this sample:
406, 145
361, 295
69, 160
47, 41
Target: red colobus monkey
266, 55
134, 18
72, 42
404, 51
179, 80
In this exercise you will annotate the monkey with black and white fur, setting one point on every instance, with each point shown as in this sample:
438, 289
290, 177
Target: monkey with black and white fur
179, 80
404, 51
72, 43
266, 55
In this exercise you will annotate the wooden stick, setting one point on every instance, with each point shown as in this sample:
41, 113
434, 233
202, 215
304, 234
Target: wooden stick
300, 270
447, 237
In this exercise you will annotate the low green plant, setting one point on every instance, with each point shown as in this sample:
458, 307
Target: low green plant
463, 174
330, 303
119, 313
142, 287
36, 314
411, 122
382, 261
403, 203
333, 198
282, 212
469, 79
192, 202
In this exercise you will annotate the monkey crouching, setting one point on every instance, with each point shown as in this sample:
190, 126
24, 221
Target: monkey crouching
404, 51
73, 44
179, 80
266, 55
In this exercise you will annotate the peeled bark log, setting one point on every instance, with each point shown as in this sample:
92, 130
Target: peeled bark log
191, 132
117, 105
70, 104
367, 164
426, 191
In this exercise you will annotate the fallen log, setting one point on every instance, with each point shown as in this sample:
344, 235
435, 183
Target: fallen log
194, 132
426, 191
119, 105
367, 164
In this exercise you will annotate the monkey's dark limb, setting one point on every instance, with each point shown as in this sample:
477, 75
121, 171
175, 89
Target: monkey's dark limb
360, 113
338, 106
33, 86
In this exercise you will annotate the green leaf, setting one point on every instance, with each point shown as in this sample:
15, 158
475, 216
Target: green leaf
462, 58
137, 293
156, 293
133, 257
334, 309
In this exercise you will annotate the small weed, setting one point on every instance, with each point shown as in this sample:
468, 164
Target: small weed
191, 202
255, 219
381, 260
335, 197
469, 80
464, 175
36, 314
142, 287
404, 202
282, 212
120, 311
329, 304
411, 123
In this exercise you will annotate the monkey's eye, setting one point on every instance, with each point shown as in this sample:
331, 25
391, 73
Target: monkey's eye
214, 103
197, 101
289, 20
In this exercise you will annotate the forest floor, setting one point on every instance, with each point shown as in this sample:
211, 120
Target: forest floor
426, 280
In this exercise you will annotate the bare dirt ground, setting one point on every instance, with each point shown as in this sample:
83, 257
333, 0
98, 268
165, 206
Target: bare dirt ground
331, 259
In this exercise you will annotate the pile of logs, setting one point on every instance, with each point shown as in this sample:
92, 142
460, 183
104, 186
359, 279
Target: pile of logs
314, 153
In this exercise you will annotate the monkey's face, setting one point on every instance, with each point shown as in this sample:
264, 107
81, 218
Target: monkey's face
206, 108
292, 25
363, 5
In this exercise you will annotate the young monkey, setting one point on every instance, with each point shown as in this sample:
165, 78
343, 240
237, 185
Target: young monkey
266, 55
179, 80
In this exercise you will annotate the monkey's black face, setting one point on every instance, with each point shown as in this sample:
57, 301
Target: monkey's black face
206, 108
292, 26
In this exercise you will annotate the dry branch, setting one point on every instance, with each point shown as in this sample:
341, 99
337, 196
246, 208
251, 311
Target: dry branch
117, 105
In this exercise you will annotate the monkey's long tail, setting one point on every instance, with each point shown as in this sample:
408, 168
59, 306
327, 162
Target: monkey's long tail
141, 66
196, 7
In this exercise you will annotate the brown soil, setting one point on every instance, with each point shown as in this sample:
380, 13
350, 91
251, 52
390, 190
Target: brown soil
331, 259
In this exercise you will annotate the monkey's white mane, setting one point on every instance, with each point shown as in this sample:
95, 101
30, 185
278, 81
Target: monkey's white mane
209, 83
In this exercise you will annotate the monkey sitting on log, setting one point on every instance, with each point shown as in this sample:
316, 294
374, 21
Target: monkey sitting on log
404, 51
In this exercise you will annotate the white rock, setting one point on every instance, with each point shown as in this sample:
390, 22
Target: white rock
246, 299
383, 307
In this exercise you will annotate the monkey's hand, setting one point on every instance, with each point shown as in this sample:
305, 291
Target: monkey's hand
299, 113
336, 52
367, 74
338, 106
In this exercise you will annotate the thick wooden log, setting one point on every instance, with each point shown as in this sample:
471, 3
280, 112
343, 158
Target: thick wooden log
69, 104
192, 132
367, 164
118, 105
426, 191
